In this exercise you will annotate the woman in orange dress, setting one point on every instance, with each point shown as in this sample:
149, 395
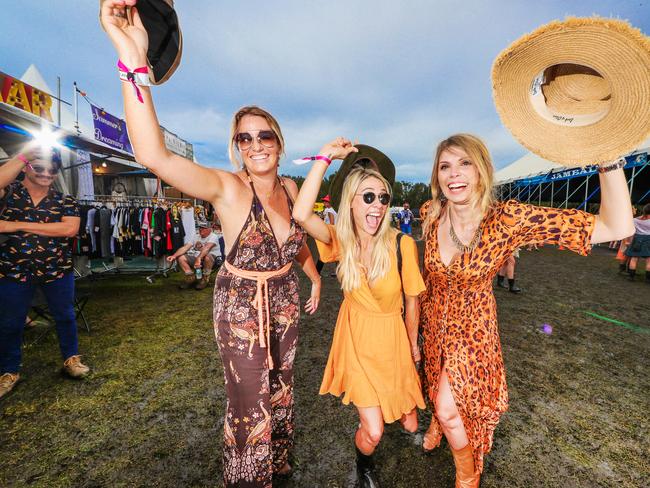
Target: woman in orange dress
371, 360
469, 237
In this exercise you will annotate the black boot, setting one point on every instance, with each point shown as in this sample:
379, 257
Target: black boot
501, 281
513, 287
631, 273
647, 277
366, 471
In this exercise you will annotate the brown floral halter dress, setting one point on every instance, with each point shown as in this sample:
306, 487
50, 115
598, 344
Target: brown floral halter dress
258, 428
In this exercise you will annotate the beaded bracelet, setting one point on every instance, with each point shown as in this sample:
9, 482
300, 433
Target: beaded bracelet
617, 165
307, 159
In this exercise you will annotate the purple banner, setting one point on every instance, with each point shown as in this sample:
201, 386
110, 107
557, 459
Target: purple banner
110, 130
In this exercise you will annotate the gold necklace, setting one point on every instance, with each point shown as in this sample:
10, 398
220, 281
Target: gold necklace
458, 243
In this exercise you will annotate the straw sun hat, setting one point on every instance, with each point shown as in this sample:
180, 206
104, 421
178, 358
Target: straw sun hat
576, 92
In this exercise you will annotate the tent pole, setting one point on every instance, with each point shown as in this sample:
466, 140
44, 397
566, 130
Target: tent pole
552, 191
586, 191
632, 181
566, 201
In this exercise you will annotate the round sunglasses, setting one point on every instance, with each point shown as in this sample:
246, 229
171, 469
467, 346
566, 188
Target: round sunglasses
266, 138
369, 197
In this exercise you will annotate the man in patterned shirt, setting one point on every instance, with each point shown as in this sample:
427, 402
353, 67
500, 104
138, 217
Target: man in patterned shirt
36, 224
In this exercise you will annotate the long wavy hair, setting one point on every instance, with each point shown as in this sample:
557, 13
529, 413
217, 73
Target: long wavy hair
480, 156
233, 151
348, 270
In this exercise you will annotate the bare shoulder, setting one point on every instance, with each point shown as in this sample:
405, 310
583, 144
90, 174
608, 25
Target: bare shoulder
290, 185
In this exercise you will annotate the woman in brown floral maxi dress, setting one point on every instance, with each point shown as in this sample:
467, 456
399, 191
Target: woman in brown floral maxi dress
256, 300
258, 429
468, 238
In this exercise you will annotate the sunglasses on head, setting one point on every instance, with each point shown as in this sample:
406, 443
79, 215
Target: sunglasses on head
266, 138
369, 197
52, 171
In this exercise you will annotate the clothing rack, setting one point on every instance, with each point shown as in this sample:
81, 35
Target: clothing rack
124, 265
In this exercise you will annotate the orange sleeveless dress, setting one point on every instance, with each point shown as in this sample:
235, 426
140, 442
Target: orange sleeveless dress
370, 358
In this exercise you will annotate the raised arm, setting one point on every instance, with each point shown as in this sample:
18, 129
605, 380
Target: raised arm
12, 168
131, 43
303, 208
614, 221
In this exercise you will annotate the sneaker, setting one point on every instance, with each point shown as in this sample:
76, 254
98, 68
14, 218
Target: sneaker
202, 283
7, 383
188, 281
74, 368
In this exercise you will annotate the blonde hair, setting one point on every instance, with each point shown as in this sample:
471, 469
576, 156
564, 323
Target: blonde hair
233, 151
480, 157
348, 270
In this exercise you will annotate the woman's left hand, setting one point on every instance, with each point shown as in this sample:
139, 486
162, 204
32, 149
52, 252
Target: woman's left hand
312, 304
339, 148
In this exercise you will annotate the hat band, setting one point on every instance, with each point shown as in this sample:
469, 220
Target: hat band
538, 102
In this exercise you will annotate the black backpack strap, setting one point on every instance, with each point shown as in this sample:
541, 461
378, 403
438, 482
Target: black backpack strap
399, 269
399, 253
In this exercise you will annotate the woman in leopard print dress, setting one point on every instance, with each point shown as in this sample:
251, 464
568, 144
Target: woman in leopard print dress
468, 238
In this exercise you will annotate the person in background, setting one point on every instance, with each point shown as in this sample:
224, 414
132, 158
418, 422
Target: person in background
200, 254
216, 229
508, 271
329, 217
38, 223
622, 259
640, 245
405, 218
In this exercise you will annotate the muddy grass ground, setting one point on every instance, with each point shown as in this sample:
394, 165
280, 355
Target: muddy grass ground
151, 414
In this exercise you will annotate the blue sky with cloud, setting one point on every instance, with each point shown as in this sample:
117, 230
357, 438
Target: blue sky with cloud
397, 75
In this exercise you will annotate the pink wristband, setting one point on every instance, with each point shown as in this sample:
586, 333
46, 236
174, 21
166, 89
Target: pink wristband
139, 76
22, 157
313, 158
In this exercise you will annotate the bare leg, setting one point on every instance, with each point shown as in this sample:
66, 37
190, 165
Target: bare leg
410, 421
448, 416
371, 428
632, 263
510, 267
182, 262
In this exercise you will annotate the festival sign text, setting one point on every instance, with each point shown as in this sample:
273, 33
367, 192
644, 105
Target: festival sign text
18, 94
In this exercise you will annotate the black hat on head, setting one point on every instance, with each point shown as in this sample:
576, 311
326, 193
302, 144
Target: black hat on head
367, 156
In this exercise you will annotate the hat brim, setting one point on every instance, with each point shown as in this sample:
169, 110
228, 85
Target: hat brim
616, 51
384, 165
165, 38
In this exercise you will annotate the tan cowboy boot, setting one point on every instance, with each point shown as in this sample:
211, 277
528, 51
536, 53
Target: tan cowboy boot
466, 476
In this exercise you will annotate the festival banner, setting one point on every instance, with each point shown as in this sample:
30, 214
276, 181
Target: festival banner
110, 130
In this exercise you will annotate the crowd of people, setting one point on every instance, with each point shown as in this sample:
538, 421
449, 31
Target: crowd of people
374, 358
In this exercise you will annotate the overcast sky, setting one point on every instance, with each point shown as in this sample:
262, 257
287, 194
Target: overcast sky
400, 76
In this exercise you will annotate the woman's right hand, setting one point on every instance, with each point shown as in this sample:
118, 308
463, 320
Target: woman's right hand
131, 41
339, 148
